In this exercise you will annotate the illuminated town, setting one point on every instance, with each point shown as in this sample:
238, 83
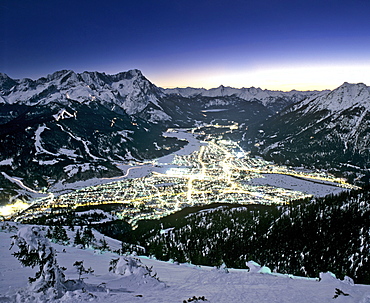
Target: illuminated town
218, 172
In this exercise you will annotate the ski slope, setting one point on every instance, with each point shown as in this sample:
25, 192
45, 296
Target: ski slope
178, 282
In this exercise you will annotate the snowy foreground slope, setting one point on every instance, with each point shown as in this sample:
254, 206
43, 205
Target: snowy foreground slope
178, 283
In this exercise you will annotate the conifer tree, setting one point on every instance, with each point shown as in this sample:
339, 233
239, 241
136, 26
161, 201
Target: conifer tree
87, 236
77, 239
35, 250
103, 245
59, 235
49, 233
124, 248
79, 265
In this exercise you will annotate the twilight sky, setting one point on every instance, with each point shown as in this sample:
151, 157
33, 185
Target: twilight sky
272, 44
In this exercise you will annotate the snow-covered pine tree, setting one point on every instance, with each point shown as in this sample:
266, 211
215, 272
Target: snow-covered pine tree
49, 232
59, 235
35, 250
103, 245
77, 240
87, 236
79, 265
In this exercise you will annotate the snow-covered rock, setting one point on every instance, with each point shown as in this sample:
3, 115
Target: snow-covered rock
327, 277
256, 268
253, 266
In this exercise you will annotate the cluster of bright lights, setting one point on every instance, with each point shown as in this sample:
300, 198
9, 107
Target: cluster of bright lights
10, 209
217, 172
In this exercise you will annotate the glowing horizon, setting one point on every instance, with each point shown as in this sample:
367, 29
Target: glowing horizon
314, 77
283, 77
191, 43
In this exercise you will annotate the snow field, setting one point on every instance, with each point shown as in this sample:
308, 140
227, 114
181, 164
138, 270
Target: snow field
292, 183
178, 281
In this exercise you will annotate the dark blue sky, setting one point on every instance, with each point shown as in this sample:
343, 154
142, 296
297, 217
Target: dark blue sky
281, 44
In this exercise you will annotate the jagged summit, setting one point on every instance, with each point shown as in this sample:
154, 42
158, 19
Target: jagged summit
129, 90
6, 82
3, 76
59, 73
346, 96
135, 72
87, 86
352, 84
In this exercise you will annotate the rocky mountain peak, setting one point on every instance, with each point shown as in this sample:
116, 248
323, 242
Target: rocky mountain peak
6, 82
58, 74
135, 73
346, 96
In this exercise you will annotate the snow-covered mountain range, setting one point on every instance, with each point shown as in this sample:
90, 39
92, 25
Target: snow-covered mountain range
275, 100
130, 91
70, 126
330, 130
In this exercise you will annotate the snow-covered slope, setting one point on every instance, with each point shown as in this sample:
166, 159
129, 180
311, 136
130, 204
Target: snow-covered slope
346, 96
178, 282
330, 130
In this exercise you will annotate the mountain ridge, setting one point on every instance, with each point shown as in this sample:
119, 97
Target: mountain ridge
328, 131
265, 96
94, 77
129, 90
